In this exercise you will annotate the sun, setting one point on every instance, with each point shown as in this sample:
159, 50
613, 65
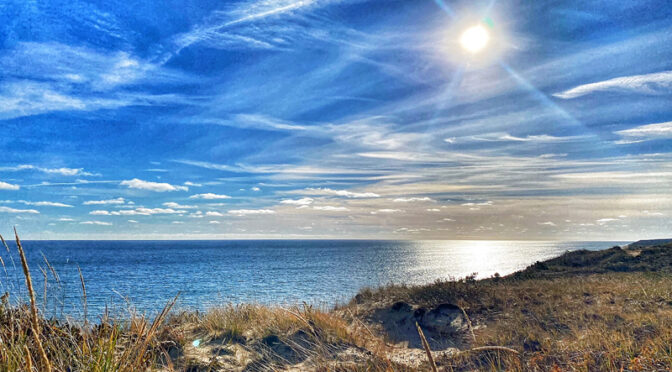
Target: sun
474, 39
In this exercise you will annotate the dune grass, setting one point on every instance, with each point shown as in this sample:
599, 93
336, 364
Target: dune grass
597, 322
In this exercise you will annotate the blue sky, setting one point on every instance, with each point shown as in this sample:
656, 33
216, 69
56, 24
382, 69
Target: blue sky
335, 118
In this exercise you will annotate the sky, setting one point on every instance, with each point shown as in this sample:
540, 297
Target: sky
335, 119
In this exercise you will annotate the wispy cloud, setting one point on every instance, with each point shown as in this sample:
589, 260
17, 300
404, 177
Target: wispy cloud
387, 211
344, 193
413, 199
59, 171
248, 212
646, 132
45, 204
107, 201
235, 27
8, 186
330, 208
210, 196
49, 77
99, 223
178, 205
152, 186
527, 138
136, 212
13, 210
656, 83
302, 201
253, 121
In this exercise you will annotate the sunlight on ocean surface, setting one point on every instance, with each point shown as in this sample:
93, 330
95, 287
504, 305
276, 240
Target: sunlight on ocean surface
147, 274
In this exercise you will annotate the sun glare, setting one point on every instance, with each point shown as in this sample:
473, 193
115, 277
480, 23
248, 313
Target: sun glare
474, 39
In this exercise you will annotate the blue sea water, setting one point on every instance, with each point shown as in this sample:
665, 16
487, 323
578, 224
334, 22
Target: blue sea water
144, 275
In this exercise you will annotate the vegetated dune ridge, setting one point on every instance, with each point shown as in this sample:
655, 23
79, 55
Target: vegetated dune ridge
608, 310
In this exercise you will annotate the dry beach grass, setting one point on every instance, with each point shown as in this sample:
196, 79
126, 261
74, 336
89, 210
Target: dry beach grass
610, 311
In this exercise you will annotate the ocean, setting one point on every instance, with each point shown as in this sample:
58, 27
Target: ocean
143, 276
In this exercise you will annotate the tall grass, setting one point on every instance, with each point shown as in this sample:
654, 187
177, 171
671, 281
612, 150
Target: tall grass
30, 342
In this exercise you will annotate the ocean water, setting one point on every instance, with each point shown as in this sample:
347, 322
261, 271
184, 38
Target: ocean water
144, 275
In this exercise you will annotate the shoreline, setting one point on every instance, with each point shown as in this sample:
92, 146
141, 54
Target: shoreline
270, 273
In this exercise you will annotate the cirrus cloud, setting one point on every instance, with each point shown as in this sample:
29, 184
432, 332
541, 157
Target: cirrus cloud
656, 83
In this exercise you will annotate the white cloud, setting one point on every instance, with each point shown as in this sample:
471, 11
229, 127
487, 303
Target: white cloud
547, 223
105, 202
330, 208
100, 223
214, 222
656, 83
152, 186
255, 188
603, 221
411, 230
213, 214
481, 204
178, 206
245, 212
100, 213
8, 186
387, 210
45, 204
646, 132
61, 171
209, 196
188, 183
302, 201
65, 219
345, 193
12, 210
536, 138
413, 199
433, 210
137, 212
448, 220
132, 221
